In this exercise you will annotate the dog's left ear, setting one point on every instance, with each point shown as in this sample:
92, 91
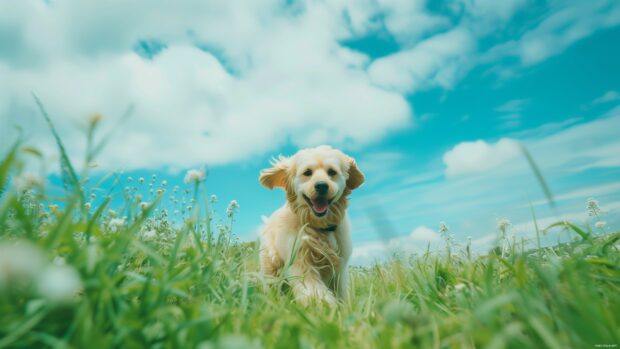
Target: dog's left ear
356, 177
276, 176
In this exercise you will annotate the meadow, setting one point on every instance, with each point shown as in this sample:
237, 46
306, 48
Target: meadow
79, 270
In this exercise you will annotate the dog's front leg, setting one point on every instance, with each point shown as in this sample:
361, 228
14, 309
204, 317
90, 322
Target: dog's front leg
342, 283
307, 285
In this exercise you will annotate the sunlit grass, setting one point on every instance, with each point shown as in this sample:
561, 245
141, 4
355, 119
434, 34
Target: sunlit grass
77, 272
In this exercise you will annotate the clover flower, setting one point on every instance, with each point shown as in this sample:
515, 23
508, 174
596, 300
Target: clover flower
502, 225
149, 235
600, 224
459, 286
195, 176
59, 282
594, 210
27, 180
443, 229
115, 224
19, 260
233, 206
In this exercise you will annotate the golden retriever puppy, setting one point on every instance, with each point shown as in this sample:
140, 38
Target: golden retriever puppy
311, 232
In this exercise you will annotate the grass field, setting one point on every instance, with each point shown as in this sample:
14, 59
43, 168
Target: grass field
77, 272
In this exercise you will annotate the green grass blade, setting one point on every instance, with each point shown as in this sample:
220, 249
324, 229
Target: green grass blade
69, 175
539, 176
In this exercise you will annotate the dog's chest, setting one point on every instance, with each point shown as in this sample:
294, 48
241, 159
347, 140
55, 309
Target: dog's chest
320, 250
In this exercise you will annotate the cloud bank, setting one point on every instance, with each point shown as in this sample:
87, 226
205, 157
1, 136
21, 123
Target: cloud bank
216, 83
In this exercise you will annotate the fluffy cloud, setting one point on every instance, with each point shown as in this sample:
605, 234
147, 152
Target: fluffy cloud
420, 239
423, 233
469, 158
267, 76
237, 81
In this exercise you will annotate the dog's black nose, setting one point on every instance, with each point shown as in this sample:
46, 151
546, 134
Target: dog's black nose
321, 188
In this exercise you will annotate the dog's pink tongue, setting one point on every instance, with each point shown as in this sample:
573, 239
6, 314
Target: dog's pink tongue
320, 205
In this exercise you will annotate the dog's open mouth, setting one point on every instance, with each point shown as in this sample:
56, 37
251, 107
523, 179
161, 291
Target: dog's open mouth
319, 205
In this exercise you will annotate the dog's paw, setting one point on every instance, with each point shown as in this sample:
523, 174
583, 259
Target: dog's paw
317, 297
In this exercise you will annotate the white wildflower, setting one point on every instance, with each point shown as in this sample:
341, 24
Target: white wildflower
149, 235
59, 282
144, 205
58, 260
502, 225
27, 180
459, 286
594, 210
87, 205
116, 224
213, 198
195, 176
233, 206
19, 260
141, 180
129, 179
164, 183
600, 224
443, 228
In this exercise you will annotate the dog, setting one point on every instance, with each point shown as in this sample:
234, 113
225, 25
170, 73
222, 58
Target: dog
310, 236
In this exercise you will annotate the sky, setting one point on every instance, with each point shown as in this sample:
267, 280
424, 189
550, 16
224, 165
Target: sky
433, 99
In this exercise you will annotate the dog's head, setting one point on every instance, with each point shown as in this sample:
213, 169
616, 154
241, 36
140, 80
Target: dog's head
317, 181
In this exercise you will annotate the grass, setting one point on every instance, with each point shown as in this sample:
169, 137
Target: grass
75, 274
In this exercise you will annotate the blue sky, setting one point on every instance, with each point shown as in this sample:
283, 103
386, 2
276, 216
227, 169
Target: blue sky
431, 98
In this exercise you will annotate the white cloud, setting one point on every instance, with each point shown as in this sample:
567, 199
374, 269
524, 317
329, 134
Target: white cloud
512, 106
270, 74
419, 240
609, 96
423, 233
470, 204
437, 61
408, 20
566, 24
278, 77
469, 158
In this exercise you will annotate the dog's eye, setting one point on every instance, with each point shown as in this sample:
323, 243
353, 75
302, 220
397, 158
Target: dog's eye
332, 172
308, 172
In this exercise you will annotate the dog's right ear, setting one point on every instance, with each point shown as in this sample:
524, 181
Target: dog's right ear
276, 176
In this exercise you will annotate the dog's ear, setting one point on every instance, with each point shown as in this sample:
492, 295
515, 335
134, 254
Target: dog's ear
277, 175
356, 177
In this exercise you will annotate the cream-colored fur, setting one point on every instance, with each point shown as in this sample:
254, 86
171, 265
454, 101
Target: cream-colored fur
319, 269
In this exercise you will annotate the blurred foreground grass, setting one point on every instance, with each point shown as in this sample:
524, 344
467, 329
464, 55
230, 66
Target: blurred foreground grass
76, 274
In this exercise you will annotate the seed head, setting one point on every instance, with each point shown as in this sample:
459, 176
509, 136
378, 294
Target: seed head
195, 176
